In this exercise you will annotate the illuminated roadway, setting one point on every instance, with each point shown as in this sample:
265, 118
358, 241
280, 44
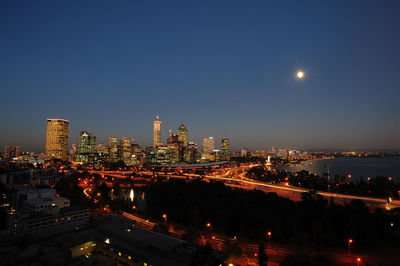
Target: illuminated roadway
235, 177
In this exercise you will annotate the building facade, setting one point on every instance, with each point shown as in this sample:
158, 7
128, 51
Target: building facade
183, 135
125, 150
113, 149
208, 145
226, 149
57, 139
86, 146
11, 152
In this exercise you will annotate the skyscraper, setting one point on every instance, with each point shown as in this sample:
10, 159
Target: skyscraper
113, 149
57, 138
86, 146
156, 132
183, 135
226, 150
125, 150
208, 145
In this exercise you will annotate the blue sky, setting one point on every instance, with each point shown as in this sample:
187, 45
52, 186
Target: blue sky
227, 68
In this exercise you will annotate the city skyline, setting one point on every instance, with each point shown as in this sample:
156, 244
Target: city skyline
230, 72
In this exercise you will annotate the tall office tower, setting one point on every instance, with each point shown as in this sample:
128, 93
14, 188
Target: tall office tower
57, 138
156, 132
208, 145
86, 142
125, 149
86, 146
226, 149
183, 135
192, 154
11, 152
113, 149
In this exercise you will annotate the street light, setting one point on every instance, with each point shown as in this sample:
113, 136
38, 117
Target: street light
165, 217
358, 261
209, 225
269, 234
350, 242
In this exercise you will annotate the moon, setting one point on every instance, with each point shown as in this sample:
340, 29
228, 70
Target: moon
300, 74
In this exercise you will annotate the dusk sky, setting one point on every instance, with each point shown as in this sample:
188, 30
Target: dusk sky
227, 68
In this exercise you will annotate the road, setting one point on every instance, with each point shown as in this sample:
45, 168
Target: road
235, 177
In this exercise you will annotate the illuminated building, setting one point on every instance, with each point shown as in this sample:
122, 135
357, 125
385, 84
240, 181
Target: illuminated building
174, 152
101, 148
208, 145
57, 138
163, 154
43, 211
86, 146
245, 152
156, 132
216, 156
137, 151
192, 154
11, 152
226, 149
183, 135
113, 149
125, 150
101, 156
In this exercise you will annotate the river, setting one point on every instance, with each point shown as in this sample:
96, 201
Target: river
356, 167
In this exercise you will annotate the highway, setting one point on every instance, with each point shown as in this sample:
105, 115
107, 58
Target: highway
236, 177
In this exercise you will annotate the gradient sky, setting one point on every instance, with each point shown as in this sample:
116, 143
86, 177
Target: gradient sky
226, 67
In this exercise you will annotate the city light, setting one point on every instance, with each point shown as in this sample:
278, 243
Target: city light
280, 136
350, 242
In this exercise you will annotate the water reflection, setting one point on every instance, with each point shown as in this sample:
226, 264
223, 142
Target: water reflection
132, 195
353, 168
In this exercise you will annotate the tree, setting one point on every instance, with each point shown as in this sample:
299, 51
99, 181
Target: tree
262, 256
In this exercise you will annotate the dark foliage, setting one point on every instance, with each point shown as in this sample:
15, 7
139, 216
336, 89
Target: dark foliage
251, 214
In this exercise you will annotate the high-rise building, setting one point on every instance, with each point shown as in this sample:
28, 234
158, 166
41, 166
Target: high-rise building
208, 145
11, 152
57, 138
113, 149
183, 135
125, 150
192, 154
226, 149
156, 132
86, 146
